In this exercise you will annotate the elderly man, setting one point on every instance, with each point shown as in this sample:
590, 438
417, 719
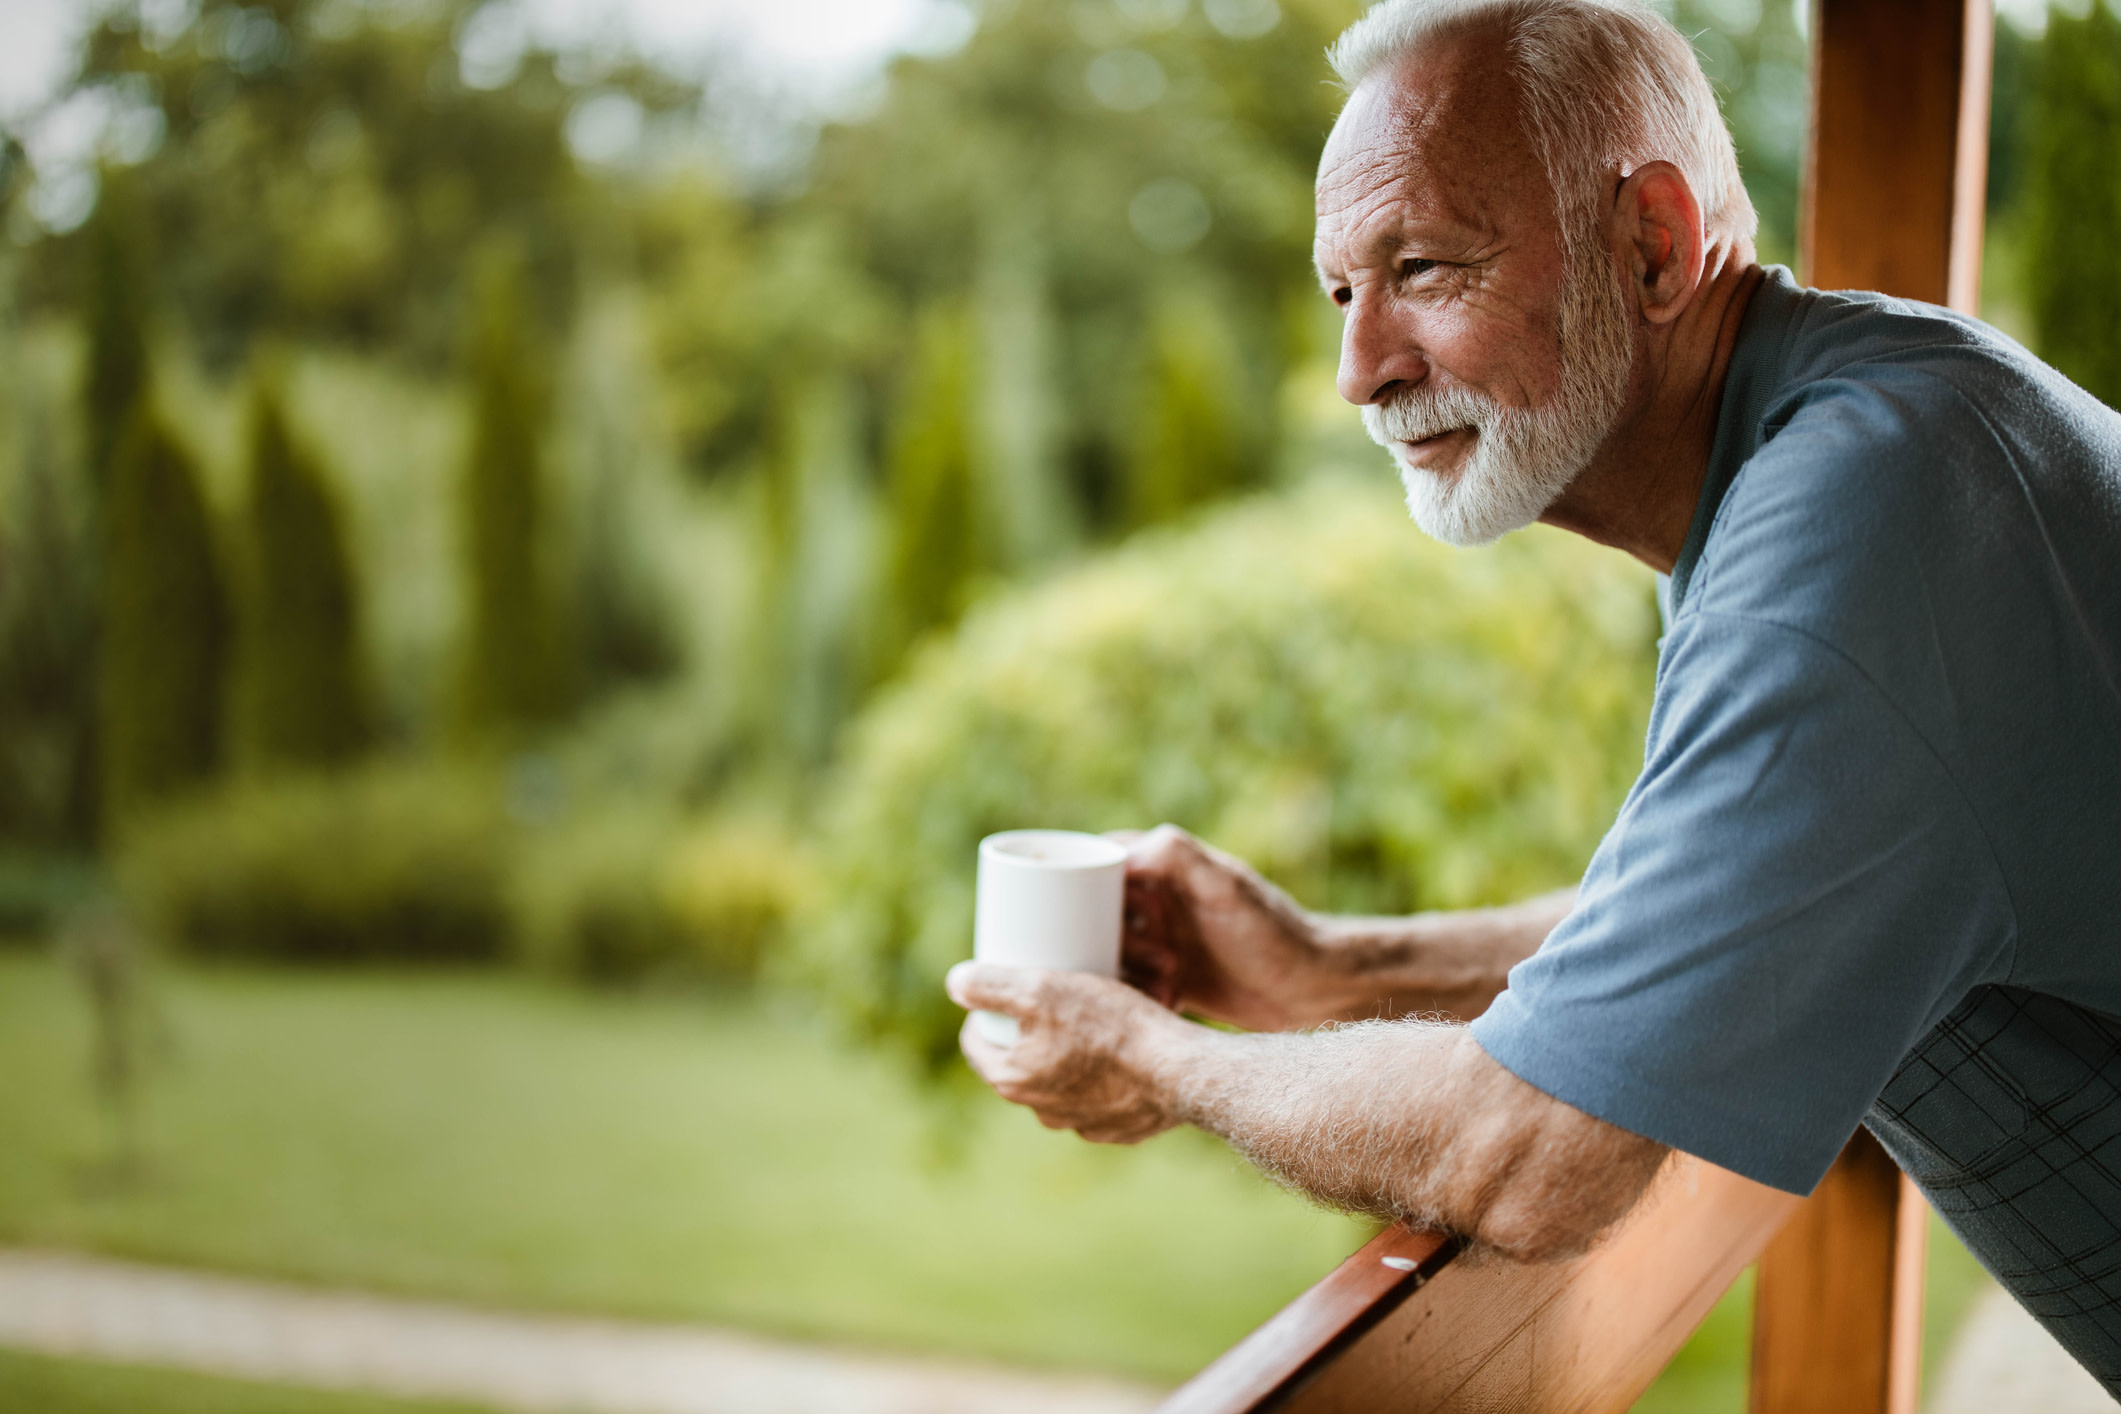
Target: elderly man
1871, 872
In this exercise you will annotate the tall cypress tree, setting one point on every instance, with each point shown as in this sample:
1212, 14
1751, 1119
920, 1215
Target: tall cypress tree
2073, 179
302, 694
1187, 447
514, 670
115, 314
165, 625
934, 548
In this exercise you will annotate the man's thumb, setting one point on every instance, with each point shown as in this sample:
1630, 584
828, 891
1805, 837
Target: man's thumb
988, 986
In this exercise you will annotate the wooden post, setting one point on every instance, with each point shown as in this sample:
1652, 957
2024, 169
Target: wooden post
1837, 1312
1895, 175
1896, 167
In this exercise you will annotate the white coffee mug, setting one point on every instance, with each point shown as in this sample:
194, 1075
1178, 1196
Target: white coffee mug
1047, 898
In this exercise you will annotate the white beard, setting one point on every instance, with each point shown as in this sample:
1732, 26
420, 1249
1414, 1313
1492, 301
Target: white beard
1522, 458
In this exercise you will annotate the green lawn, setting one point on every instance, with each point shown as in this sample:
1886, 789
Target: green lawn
494, 1139
31, 1384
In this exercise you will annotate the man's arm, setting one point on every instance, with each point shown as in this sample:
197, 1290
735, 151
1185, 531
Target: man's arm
1207, 934
1399, 1119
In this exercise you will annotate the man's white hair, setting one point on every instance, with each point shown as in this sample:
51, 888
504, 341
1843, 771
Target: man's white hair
1606, 85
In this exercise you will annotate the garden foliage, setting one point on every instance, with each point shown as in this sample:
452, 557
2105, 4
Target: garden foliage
514, 669
302, 689
933, 487
115, 313
403, 860
398, 859
627, 894
165, 626
2072, 136
1379, 722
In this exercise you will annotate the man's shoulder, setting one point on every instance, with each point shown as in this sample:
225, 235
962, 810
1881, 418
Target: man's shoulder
1900, 443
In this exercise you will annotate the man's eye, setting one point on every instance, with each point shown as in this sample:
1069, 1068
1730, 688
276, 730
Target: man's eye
1343, 296
1414, 266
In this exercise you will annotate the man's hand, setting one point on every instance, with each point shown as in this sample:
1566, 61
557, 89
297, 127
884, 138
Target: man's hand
1088, 1054
1206, 934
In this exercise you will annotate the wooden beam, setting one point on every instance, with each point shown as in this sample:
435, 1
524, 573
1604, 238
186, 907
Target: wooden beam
1837, 1310
1896, 166
1586, 1336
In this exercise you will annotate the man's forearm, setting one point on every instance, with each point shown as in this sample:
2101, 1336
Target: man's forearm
1410, 1120
1447, 964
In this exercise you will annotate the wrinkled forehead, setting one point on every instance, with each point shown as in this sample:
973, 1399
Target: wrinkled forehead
1439, 136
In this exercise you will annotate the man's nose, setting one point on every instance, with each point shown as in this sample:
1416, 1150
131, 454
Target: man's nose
1376, 357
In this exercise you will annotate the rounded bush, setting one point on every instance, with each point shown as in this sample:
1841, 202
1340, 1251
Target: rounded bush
400, 860
622, 895
1381, 723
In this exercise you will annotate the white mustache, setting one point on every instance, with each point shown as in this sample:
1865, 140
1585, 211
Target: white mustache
1416, 414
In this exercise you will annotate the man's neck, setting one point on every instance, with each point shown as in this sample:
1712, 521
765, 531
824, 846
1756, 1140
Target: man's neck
1639, 493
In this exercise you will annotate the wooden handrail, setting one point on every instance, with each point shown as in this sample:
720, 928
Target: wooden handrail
1484, 1334
1301, 1339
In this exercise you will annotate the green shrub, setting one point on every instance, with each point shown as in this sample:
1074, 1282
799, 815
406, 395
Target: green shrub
1381, 723
396, 860
622, 895
733, 885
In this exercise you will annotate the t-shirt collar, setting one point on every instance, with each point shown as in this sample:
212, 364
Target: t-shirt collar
1749, 382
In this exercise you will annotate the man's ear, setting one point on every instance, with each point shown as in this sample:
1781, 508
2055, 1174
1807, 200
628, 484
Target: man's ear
1662, 239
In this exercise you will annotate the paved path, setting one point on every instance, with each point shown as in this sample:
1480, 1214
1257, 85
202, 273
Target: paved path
2004, 1363
96, 1309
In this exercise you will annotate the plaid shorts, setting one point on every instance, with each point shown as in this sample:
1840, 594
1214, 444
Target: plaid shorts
2008, 1115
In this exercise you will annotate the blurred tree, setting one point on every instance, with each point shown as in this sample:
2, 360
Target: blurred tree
1758, 57
48, 625
2072, 133
932, 492
302, 695
514, 670
2015, 55
316, 168
115, 301
1191, 445
165, 625
50, 609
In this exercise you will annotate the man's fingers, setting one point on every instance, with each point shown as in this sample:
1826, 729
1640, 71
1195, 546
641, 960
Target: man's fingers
988, 1061
988, 986
1159, 850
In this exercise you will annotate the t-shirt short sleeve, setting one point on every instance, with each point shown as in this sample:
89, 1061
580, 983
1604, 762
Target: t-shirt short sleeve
1794, 893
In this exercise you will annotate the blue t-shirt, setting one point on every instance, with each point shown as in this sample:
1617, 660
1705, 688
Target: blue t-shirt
1872, 867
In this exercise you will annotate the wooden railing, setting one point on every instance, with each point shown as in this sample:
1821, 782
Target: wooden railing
1413, 1322
1893, 187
